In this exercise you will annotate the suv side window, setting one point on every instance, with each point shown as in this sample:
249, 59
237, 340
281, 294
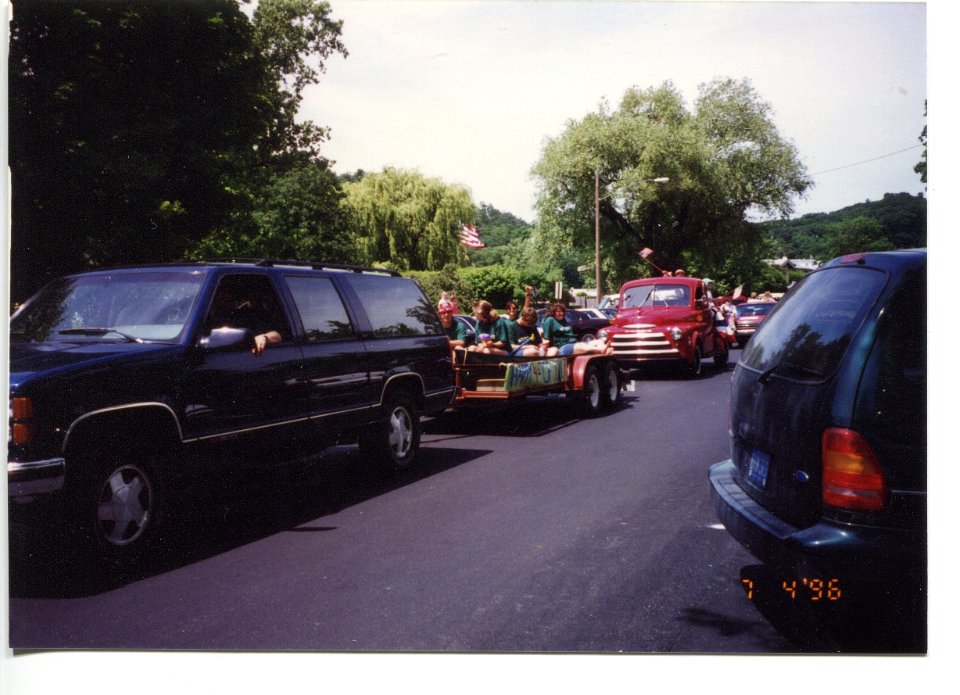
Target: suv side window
386, 298
247, 301
321, 310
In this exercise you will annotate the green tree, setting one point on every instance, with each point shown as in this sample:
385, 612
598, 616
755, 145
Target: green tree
724, 159
297, 214
855, 235
495, 283
407, 220
294, 38
138, 127
921, 167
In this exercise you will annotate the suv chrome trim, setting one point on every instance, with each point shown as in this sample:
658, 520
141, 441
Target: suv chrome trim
116, 408
26, 478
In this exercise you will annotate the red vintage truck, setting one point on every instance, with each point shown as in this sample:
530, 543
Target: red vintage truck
666, 319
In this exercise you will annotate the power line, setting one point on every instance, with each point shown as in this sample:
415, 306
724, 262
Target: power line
866, 161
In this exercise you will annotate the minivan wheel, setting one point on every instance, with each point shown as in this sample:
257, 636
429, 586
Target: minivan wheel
397, 442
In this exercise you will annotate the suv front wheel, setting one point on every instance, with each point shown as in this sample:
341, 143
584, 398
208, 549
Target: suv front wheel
397, 441
119, 506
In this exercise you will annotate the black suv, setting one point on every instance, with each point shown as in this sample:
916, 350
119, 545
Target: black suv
827, 480
125, 380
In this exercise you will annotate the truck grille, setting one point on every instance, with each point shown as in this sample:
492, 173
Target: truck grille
643, 341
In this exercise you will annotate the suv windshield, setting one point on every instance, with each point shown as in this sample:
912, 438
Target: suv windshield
808, 333
110, 307
656, 295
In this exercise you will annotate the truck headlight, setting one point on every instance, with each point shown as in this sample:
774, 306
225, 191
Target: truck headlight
676, 334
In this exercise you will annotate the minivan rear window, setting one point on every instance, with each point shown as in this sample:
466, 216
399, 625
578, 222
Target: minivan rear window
806, 336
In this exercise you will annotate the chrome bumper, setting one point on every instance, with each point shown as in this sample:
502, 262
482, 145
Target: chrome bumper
28, 478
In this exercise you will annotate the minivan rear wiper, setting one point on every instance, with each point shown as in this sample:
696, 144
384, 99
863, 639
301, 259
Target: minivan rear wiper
100, 331
786, 364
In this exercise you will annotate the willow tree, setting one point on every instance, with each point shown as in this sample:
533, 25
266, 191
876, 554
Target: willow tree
724, 159
405, 219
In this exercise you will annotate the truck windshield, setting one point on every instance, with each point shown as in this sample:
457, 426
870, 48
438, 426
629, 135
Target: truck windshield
656, 295
121, 306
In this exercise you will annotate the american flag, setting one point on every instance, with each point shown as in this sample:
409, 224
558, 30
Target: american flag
469, 236
643, 253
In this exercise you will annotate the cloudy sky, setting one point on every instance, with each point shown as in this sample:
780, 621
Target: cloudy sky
467, 91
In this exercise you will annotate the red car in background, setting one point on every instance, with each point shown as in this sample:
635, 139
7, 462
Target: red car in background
749, 316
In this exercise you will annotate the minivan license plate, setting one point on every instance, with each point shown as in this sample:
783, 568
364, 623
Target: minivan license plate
758, 468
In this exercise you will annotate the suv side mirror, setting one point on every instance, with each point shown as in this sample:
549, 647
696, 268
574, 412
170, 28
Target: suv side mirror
227, 339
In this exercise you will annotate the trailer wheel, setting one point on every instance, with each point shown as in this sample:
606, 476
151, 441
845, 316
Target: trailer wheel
612, 384
592, 395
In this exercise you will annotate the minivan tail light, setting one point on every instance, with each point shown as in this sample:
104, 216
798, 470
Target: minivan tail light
852, 475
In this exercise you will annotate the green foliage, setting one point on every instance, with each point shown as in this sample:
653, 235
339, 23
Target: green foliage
494, 283
723, 159
855, 235
294, 38
901, 216
921, 166
297, 214
136, 127
119, 114
408, 220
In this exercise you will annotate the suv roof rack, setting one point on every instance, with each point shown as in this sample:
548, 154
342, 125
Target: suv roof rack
313, 265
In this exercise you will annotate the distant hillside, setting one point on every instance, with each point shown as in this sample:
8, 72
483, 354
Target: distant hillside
902, 216
503, 234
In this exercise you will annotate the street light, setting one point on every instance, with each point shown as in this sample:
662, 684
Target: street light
596, 217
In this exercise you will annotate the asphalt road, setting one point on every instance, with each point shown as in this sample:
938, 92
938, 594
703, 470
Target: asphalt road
523, 529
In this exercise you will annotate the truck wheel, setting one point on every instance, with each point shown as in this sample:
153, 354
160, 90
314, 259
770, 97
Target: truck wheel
612, 384
118, 506
694, 366
397, 442
720, 357
592, 395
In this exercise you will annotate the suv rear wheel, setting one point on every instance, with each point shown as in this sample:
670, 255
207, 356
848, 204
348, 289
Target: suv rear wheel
397, 442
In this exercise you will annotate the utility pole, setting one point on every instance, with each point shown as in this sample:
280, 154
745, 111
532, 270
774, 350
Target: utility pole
596, 216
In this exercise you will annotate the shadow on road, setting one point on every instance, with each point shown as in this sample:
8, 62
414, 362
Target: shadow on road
215, 514
863, 620
534, 416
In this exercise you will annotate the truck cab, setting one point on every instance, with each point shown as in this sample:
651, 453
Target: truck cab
666, 320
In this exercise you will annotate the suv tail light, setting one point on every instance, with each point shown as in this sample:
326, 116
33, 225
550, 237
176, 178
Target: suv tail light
852, 476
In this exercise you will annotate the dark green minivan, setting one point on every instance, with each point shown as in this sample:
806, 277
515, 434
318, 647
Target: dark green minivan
826, 483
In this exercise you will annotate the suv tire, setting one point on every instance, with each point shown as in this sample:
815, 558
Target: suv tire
397, 442
120, 504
